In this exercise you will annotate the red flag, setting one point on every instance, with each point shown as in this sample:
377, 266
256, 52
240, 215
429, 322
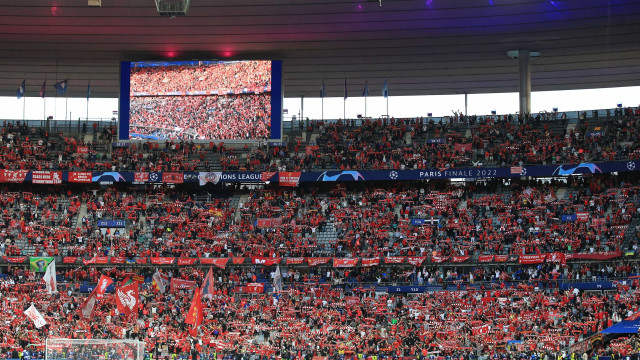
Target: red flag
194, 316
102, 285
87, 307
207, 285
127, 299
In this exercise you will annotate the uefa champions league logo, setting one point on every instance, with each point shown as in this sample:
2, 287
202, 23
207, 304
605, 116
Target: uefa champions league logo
631, 166
393, 175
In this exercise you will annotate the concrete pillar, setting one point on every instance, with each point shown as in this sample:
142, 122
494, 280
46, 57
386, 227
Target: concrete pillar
525, 81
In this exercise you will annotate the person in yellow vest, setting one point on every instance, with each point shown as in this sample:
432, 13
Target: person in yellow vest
374, 357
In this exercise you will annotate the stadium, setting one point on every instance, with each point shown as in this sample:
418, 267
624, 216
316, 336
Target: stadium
202, 219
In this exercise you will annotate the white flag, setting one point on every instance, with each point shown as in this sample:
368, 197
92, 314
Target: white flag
33, 314
50, 278
277, 280
159, 281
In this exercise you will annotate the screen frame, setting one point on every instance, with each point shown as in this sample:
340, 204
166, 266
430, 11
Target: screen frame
277, 100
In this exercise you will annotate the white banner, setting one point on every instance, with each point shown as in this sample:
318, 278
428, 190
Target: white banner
33, 314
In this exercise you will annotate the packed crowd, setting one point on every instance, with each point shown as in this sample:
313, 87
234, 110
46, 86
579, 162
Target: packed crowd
311, 318
376, 144
201, 117
422, 143
207, 77
584, 215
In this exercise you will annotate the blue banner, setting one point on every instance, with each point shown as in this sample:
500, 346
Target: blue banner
573, 217
436, 141
403, 289
112, 223
367, 175
601, 285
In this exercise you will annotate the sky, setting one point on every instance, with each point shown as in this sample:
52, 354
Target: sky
336, 107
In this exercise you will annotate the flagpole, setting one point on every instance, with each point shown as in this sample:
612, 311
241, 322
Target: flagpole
24, 104
66, 102
365, 106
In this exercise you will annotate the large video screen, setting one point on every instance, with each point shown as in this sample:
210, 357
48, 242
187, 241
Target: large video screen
201, 100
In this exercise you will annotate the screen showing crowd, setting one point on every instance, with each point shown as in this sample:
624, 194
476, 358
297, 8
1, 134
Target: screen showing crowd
200, 100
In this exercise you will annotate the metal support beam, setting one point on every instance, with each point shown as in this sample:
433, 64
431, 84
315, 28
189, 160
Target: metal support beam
525, 81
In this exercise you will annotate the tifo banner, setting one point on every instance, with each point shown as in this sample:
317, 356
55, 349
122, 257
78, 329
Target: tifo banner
180, 284
13, 176
186, 261
366, 262
289, 178
318, 261
295, 261
257, 260
532, 259
172, 178
82, 150
80, 177
595, 256
162, 260
394, 259
209, 177
416, 260
46, 177
39, 263
15, 259
112, 223
218, 262
69, 259
485, 258
340, 263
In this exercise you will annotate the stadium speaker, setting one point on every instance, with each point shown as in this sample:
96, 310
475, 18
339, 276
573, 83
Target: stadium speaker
429, 114
619, 105
493, 112
555, 109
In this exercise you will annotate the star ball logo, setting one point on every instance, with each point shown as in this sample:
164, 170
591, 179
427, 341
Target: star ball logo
524, 171
631, 165
393, 175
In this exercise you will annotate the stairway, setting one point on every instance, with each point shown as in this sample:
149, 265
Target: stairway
234, 203
82, 212
326, 238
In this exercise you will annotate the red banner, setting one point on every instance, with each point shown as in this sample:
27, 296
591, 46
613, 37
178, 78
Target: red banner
238, 260
180, 284
69, 259
13, 176
46, 177
502, 258
257, 260
595, 256
172, 178
459, 259
218, 262
141, 260
318, 261
118, 260
462, 147
556, 257
439, 259
186, 261
311, 148
340, 263
141, 177
366, 262
267, 175
289, 178
15, 259
162, 260
84, 177
82, 150
582, 216
295, 261
394, 259
532, 259
96, 260
416, 260
485, 258
251, 288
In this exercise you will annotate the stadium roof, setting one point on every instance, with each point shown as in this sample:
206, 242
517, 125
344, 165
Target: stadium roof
421, 46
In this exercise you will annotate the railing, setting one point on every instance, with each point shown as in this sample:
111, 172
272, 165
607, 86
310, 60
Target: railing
69, 126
